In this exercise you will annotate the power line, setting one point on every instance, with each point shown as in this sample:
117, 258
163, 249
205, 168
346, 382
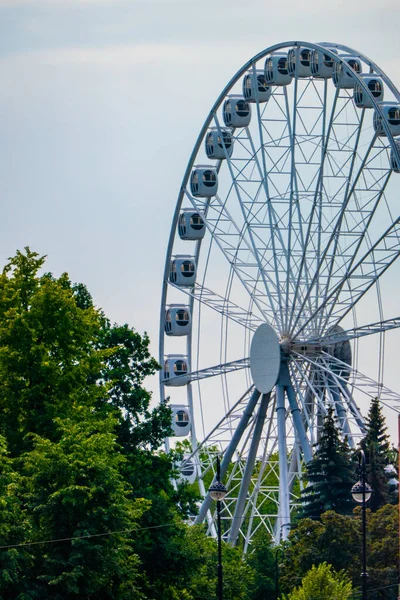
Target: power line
81, 537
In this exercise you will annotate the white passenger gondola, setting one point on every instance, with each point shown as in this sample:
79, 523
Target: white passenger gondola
304, 62
255, 87
176, 370
191, 225
204, 181
187, 469
178, 320
219, 143
343, 72
183, 270
180, 420
394, 162
236, 111
276, 70
375, 86
391, 115
322, 64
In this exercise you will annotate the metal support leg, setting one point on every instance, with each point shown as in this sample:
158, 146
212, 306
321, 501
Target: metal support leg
248, 412
239, 515
284, 509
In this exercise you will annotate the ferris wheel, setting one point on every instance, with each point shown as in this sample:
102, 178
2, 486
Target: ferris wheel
276, 275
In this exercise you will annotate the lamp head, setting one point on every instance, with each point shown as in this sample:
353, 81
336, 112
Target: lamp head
217, 491
357, 492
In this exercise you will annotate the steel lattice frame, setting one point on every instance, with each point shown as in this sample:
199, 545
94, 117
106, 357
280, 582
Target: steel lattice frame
301, 229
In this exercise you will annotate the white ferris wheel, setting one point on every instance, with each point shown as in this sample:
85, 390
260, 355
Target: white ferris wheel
285, 226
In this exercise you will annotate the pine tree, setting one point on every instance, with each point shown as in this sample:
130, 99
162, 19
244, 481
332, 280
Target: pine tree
377, 455
329, 474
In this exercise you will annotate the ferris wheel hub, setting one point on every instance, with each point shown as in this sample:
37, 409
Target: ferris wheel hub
265, 358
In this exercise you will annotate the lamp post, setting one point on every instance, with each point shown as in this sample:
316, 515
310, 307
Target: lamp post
361, 492
218, 492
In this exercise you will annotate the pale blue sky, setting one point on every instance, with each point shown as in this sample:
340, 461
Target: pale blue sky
101, 103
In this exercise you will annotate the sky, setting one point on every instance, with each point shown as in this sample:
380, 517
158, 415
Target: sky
101, 102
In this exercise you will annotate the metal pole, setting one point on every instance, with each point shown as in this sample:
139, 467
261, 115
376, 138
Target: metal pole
398, 490
364, 574
220, 580
276, 576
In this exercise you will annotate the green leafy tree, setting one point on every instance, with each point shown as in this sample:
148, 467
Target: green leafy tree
382, 553
69, 380
14, 527
323, 583
46, 351
74, 492
336, 540
329, 474
263, 559
377, 455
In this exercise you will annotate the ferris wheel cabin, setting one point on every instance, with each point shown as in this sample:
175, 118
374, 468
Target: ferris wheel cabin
303, 63
394, 162
343, 73
183, 270
255, 87
176, 370
191, 225
391, 116
219, 143
375, 86
187, 469
236, 112
322, 64
180, 420
276, 70
178, 320
204, 181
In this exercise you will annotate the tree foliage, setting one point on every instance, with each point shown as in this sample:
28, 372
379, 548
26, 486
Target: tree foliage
329, 474
377, 456
323, 583
336, 540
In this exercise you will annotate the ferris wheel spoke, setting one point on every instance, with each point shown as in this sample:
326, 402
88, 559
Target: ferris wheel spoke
368, 386
219, 370
337, 337
269, 283
363, 275
319, 284
222, 305
248, 472
364, 235
263, 250
236, 249
314, 228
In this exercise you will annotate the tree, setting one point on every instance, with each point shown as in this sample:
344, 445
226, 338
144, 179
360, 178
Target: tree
377, 456
46, 351
74, 492
323, 583
329, 474
14, 527
336, 540
263, 559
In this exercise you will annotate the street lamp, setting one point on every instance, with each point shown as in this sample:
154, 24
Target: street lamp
361, 492
218, 492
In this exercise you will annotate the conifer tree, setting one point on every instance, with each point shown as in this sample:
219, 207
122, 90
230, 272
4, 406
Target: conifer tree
377, 455
329, 474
